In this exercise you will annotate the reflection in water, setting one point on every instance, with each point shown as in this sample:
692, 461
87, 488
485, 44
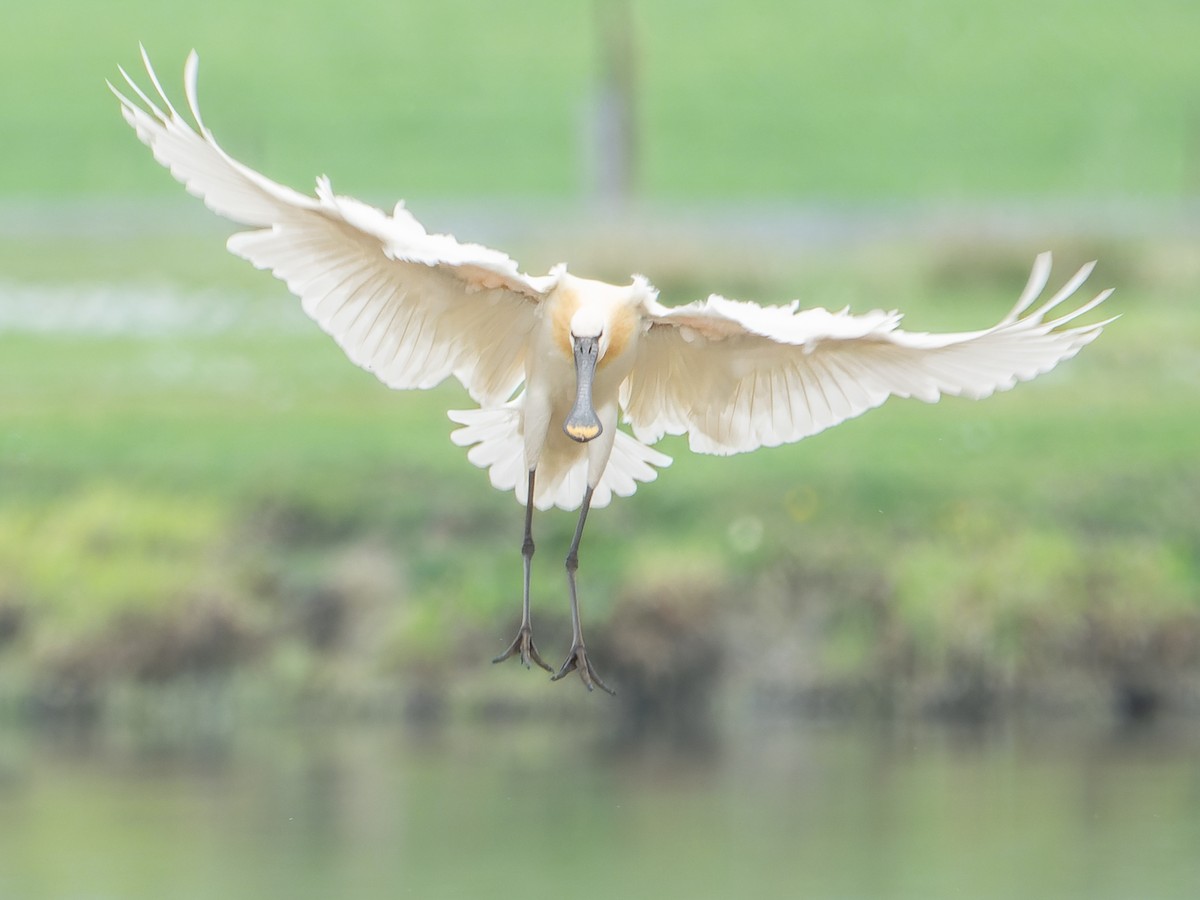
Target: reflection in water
534, 810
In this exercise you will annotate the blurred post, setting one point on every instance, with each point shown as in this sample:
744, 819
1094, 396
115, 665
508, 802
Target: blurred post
612, 125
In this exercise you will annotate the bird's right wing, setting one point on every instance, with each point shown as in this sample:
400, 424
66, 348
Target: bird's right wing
412, 307
735, 376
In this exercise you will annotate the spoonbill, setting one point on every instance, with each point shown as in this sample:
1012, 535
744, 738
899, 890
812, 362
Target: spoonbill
553, 361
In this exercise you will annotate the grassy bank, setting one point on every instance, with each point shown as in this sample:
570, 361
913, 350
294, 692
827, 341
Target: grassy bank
196, 483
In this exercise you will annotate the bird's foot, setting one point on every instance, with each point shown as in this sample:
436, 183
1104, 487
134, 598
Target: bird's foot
577, 660
523, 644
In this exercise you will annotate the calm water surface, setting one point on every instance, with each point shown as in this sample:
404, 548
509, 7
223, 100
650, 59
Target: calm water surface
531, 810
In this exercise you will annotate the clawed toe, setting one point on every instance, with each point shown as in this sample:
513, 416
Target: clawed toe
577, 660
523, 645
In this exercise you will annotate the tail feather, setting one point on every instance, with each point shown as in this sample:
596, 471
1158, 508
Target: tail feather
497, 444
494, 436
631, 462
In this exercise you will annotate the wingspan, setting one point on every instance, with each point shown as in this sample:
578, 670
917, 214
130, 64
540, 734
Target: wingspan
735, 376
412, 307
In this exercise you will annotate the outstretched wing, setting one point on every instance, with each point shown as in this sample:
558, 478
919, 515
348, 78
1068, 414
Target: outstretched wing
736, 376
412, 307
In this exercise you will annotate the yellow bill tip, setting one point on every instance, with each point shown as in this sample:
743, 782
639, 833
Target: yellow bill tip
582, 432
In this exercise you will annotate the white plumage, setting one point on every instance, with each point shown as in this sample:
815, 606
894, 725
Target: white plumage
553, 361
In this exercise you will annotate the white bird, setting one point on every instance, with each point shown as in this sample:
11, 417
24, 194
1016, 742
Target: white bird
554, 361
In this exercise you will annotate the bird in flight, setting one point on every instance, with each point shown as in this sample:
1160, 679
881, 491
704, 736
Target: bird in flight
555, 361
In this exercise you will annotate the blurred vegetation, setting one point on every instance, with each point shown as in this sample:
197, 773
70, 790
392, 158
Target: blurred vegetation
761, 99
197, 486
235, 498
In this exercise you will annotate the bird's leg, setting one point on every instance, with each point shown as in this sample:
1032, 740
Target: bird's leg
523, 642
577, 658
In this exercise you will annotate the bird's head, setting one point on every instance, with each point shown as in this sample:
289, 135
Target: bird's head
596, 323
590, 323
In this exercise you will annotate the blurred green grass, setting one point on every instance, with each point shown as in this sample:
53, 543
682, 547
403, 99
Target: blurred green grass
761, 99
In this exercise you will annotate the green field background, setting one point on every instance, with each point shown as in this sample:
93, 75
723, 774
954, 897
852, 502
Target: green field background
196, 483
761, 99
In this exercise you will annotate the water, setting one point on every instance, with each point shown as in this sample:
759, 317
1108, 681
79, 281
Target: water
532, 810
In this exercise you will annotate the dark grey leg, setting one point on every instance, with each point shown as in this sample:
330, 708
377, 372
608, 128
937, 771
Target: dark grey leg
577, 657
523, 643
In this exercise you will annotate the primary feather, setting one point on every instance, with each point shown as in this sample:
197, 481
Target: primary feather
735, 376
412, 307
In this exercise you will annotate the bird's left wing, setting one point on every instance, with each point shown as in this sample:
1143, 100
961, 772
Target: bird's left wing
412, 307
736, 376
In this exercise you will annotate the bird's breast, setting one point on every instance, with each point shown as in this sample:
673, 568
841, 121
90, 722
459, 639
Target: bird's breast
622, 328
563, 304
